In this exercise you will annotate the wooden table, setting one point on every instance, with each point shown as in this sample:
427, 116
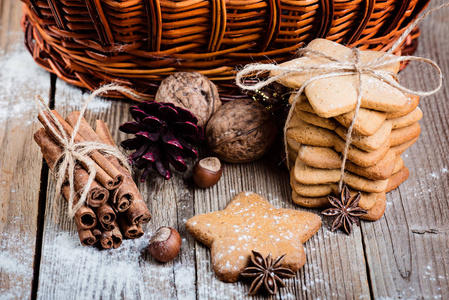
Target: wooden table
404, 255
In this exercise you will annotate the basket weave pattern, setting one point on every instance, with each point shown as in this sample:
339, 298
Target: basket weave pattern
138, 43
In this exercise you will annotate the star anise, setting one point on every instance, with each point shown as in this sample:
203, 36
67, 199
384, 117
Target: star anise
346, 209
266, 272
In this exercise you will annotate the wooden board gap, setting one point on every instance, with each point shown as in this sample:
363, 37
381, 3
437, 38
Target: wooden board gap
52, 93
368, 274
40, 228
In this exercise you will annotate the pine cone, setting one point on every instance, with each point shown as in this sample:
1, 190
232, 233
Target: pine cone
164, 134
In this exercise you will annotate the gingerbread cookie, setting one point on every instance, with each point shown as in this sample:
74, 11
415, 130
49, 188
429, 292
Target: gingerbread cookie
412, 103
399, 149
378, 209
367, 123
248, 223
404, 134
413, 117
371, 142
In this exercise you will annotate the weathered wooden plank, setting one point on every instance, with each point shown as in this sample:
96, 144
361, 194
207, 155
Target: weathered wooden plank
335, 264
20, 158
71, 271
407, 250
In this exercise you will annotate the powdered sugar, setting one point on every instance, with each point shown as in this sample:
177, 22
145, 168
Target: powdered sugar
73, 98
13, 265
20, 79
16, 262
71, 271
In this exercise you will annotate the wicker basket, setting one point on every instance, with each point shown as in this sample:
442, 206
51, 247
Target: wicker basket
138, 43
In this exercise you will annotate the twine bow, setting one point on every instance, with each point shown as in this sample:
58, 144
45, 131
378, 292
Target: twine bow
72, 152
337, 67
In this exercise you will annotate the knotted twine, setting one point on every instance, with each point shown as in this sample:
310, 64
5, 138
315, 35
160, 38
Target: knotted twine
74, 153
336, 68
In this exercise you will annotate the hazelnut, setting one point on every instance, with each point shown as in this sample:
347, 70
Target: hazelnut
207, 172
165, 244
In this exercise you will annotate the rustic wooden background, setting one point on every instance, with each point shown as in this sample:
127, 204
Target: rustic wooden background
404, 255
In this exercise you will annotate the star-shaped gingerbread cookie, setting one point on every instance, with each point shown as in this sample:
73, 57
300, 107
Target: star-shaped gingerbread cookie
249, 222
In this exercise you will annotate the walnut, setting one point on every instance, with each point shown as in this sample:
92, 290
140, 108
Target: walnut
240, 131
191, 91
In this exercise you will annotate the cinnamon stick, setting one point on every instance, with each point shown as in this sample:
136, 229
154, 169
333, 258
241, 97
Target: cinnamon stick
138, 211
102, 130
117, 237
97, 234
85, 130
123, 197
106, 173
129, 229
106, 241
106, 216
85, 217
97, 194
107, 226
111, 238
86, 237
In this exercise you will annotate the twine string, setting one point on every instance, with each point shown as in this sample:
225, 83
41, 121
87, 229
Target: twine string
74, 153
334, 67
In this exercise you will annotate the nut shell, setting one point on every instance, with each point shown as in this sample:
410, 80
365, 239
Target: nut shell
165, 244
207, 172
191, 91
241, 131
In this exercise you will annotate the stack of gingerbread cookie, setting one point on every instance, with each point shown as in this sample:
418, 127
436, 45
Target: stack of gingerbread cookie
386, 125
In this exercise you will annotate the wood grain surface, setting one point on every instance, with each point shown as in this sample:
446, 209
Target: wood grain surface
404, 255
20, 158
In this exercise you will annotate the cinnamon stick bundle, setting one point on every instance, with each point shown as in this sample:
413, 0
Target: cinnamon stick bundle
114, 206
